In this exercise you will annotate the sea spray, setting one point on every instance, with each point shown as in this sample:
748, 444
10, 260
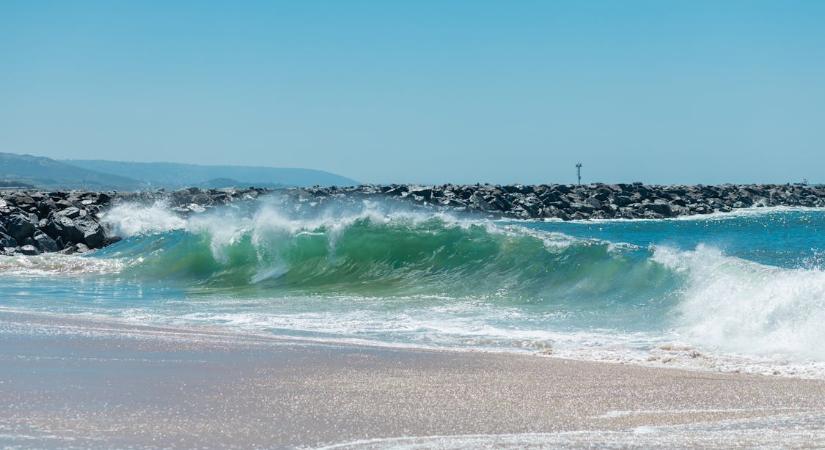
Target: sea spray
716, 295
132, 219
745, 307
395, 254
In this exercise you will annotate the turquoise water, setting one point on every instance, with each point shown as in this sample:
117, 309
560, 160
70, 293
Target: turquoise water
743, 291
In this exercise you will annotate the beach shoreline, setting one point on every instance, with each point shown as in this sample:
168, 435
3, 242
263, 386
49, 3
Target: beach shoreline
75, 382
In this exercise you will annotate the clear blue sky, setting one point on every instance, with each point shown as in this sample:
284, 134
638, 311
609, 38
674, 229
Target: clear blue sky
425, 91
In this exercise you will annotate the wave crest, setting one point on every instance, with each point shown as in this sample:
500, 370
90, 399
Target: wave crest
395, 253
740, 306
133, 219
379, 269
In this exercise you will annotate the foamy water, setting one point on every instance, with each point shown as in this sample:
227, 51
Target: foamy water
791, 430
741, 294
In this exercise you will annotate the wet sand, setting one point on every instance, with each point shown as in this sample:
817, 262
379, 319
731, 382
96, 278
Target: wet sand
68, 383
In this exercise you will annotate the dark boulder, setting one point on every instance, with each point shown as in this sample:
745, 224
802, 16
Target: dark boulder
603, 194
19, 226
550, 196
92, 233
29, 250
7, 241
22, 200
70, 212
623, 200
477, 201
59, 226
661, 209
594, 202
45, 243
84, 230
424, 193
585, 208
44, 207
499, 203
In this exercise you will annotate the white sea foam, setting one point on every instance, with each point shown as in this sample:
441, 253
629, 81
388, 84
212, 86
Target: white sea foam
224, 227
731, 314
753, 211
132, 219
739, 306
771, 429
56, 264
271, 221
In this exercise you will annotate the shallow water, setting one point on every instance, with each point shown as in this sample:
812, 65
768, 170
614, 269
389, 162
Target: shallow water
737, 292
799, 430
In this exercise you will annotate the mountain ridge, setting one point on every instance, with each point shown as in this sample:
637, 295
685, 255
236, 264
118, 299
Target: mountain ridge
47, 173
169, 174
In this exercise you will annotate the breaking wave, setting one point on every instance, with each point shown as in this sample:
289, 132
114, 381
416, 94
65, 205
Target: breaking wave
378, 274
398, 254
741, 306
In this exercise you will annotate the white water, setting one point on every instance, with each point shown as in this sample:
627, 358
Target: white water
133, 219
742, 307
729, 314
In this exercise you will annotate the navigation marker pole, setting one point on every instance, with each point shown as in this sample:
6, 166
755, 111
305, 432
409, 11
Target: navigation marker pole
579, 172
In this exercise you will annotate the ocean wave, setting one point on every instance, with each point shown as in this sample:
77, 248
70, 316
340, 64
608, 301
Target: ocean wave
740, 306
436, 279
398, 253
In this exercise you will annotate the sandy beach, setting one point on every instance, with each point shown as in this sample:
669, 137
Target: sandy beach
412, 225
76, 383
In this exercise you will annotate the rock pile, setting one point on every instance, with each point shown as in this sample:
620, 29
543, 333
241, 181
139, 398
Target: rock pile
35, 222
69, 222
594, 201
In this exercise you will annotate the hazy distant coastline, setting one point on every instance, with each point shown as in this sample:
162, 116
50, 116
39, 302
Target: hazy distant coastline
49, 174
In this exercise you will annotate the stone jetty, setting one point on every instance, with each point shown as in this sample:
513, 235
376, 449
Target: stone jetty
34, 222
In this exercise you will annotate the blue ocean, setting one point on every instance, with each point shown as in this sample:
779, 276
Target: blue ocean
737, 292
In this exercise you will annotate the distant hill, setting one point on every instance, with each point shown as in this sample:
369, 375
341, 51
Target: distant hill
14, 184
174, 175
218, 183
46, 173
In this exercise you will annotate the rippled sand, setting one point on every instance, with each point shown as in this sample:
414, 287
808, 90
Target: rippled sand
80, 383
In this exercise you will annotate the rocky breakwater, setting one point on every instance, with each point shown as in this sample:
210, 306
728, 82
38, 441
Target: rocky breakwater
70, 222
570, 202
34, 222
